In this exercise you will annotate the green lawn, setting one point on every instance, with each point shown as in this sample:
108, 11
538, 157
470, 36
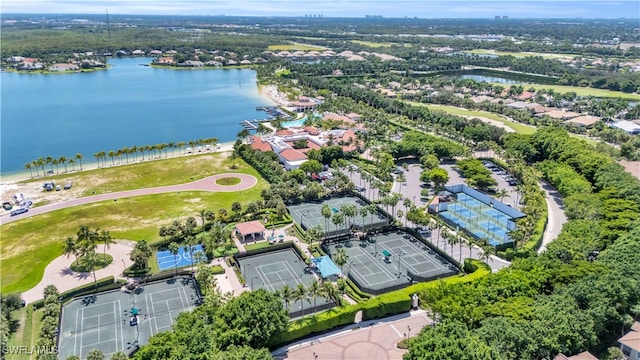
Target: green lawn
81, 265
258, 245
295, 47
228, 181
28, 332
582, 91
171, 171
523, 54
38, 240
519, 128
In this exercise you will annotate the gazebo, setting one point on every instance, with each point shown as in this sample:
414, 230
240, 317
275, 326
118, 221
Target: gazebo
250, 228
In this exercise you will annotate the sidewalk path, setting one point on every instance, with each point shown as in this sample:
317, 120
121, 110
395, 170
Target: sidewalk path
206, 184
556, 216
59, 274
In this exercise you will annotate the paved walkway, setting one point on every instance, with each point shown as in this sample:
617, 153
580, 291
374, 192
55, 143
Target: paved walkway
556, 216
206, 184
59, 274
374, 339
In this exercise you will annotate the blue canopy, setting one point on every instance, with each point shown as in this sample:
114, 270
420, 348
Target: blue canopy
326, 266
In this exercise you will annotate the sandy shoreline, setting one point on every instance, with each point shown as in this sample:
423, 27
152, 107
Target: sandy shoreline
9, 185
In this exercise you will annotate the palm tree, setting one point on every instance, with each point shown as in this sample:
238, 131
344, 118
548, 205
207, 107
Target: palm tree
29, 166
55, 162
49, 161
40, 162
337, 219
315, 233
79, 158
326, 214
34, 164
174, 249
342, 285
91, 258
111, 155
301, 295
363, 214
502, 193
70, 247
106, 239
286, 293
243, 134
72, 161
341, 257
314, 292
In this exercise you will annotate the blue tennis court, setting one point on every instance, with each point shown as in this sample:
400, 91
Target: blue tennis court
167, 261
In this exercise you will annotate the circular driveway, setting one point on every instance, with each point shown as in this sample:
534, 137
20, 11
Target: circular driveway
205, 184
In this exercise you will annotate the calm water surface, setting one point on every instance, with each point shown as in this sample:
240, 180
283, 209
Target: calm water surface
128, 104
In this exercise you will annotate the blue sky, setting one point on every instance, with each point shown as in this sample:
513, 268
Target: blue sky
337, 8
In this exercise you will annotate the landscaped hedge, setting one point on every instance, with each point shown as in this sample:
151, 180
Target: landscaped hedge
385, 305
470, 266
388, 304
217, 270
319, 323
110, 280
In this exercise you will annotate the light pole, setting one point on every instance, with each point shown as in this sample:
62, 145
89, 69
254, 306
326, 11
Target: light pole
399, 256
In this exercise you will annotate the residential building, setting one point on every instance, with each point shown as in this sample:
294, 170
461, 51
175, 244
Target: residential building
630, 342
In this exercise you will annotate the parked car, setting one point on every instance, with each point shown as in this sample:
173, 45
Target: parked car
68, 185
424, 231
19, 211
360, 188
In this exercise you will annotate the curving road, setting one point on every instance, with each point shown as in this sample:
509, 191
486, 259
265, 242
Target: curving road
206, 184
556, 216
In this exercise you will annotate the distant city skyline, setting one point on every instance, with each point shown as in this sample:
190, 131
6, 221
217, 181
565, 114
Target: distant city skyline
334, 8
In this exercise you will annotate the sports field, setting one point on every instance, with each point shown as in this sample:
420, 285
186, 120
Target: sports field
104, 321
309, 215
275, 269
391, 261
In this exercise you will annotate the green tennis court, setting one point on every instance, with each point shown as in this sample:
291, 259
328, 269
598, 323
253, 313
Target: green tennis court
391, 261
309, 215
104, 321
275, 269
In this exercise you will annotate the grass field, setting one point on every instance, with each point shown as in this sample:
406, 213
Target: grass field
523, 54
295, 47
228, 181
582, 91
38, 240
519, 128
28, 331
163, 172
378, 44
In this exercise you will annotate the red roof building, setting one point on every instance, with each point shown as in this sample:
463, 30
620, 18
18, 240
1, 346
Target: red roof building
253, 228
258, 143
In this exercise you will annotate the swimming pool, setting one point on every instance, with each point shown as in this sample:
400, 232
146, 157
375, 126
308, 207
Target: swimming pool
293, 123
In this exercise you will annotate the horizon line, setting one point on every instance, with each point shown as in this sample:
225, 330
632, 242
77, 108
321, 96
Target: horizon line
336, 17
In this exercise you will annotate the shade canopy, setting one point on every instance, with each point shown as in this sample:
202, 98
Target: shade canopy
326, 266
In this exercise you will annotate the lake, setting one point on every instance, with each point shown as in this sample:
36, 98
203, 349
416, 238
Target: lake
497, 76
128, 104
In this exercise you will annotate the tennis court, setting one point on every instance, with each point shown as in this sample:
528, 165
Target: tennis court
309, 215
391, 261
479, 215
104, 321
275, 269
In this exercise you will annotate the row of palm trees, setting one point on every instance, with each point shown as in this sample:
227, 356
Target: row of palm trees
300, 293
345, 214
150, 151
41, 163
